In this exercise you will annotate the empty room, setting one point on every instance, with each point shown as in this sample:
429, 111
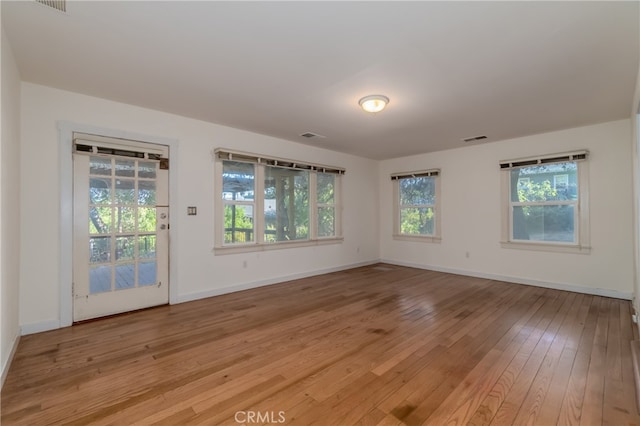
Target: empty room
319, 213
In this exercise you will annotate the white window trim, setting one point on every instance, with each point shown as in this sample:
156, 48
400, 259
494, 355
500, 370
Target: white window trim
397, 235
255, 247
581, 211
260, 162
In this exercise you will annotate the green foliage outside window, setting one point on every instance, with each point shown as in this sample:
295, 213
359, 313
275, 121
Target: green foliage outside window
285, 214
417, 201
287, 193
418, 221
543, 213
238, 227
327, 212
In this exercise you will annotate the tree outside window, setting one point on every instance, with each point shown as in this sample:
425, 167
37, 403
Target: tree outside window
544, 202
417, 205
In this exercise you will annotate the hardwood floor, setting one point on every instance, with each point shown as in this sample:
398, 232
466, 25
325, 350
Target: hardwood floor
378, 345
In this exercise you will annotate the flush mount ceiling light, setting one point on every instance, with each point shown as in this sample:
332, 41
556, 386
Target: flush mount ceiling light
373, 103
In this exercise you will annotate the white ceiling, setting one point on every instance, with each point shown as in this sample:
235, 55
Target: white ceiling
451, 69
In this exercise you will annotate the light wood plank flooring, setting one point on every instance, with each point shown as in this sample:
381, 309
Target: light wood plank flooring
378, 345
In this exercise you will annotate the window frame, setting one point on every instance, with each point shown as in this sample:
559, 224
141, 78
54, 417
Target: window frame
581, 245
260, 164
436, 237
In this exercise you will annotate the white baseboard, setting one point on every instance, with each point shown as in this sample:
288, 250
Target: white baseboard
39, 327
516, 280
7, 364
255, 284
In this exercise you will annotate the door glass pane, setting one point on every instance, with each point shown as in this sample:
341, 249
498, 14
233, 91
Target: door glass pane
146, 219
125, 219
125, 191
100, 166
147, 192
147, 246
125, 248
544, 223
147, 170
147, 273
100, 220
99, 279
99, 250
125, 168
122, 221
125, 276
100, 190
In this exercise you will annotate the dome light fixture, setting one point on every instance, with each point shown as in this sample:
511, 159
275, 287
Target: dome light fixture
373, 103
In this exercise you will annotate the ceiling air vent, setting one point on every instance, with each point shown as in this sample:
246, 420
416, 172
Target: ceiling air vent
310, 135
60, 5
474, 138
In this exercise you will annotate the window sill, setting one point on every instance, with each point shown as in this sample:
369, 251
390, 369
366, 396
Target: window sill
249, 248
548, 247
417, 238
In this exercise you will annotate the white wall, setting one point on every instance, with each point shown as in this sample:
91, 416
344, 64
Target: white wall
470, 183
200, 272
471, 213
10, 205
635, 120
635, 138
635, 127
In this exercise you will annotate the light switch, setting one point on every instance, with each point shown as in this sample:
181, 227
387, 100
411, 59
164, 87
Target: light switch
192, 211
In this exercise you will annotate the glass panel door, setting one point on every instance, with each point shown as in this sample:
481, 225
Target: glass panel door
120, 223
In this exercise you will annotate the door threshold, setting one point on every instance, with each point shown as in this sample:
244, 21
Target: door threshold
121, 314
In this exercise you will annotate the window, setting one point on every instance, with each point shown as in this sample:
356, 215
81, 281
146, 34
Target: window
270, 202
326, 204
238, 198
286, 204
546, 203
416, 212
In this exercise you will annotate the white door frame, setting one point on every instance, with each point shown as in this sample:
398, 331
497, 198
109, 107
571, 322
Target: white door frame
65, 152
